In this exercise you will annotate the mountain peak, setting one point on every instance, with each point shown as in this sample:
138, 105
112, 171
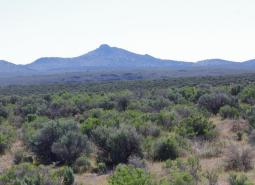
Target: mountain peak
104, 46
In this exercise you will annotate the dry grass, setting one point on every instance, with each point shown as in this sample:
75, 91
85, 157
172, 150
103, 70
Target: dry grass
6, 160
227, 134
91, 179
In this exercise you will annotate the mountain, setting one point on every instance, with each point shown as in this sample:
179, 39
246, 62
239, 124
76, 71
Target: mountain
103, 57
108, 61
10, 69
215, 62
249, 63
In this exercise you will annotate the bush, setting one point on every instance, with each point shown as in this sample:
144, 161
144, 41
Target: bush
22, 156
184, 172
27, 174
229, 112
251, 116
116, 145
239, 159
189, 93
182, 178
247, 95
3, 112
89, 125
170, 147
68, 177
213, 102
175, 96
235, 179
101, 168
130, 175
69, 147
210, 149
212, 177
81, 165
31, 117
122, 104
197, 126
137, 162
158, 103
235, 90
167, 119
57, 142
149, 129
6, 138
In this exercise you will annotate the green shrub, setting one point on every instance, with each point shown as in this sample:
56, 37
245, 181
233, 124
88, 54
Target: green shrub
167, 119
212, 177
122, 104
89, 125
124, 175
137, 162
27, 174
170, 147
31, 117
3, 112
251, 116
182, 178
236, 179
69, 147
149, 129
101, 168
175, 97
235, 90
68, 176
184, 172
189, 93
229, 112
22, 156
197, 126
7, 136
57, 142
82, 164
247, 95
213, 102
116, 145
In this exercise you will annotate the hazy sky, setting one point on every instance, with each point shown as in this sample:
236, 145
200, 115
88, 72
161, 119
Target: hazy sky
174, 29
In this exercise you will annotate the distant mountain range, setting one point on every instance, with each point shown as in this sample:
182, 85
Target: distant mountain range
112, 58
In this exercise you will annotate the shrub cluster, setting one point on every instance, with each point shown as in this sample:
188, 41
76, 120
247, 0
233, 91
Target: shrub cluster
229, 112
116, 145
57, 142
27, 174
130, 175
170, 147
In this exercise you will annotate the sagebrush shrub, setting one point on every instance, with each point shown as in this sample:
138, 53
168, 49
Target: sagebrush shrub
116, 145
170, 147
184, 172
130, 175
236, 179
239, 159
82, 164
212, 177
28, 174
229, 112
7, 136
197, 126
213, 102
57, 142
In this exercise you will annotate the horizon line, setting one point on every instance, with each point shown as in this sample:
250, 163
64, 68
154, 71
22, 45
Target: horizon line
107, 45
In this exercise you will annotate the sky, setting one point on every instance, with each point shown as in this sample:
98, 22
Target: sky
189, 30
